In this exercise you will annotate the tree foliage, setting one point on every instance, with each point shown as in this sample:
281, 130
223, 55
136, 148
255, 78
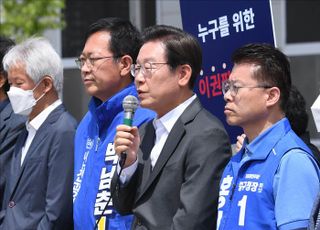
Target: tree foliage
21, 19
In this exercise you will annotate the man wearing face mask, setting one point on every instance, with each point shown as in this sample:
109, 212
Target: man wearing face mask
38, 193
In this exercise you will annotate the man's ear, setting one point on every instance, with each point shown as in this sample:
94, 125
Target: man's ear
184, 72
125, 65
48, 84
273, 96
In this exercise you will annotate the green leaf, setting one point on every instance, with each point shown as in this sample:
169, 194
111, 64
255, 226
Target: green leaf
21, 19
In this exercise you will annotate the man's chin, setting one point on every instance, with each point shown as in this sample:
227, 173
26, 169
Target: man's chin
231, 122
143, 104
91, 91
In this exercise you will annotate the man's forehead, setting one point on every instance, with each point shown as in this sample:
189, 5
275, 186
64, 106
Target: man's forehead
97, 43
91, 52
243, 70
151, 51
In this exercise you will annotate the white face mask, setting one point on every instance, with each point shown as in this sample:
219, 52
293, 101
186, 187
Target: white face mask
22, 101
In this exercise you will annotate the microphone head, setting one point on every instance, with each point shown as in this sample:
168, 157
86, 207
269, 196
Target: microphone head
130, 103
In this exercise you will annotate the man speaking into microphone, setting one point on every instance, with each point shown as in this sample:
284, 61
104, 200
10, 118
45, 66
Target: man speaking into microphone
111, 45
171, 175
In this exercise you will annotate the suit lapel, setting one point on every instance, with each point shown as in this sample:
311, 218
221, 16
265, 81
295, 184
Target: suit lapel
146, 147
169, 147
174, 138
43, 132
16, 169
40, 135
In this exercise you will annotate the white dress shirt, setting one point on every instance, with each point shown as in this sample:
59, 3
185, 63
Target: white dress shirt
162, 127
33, 126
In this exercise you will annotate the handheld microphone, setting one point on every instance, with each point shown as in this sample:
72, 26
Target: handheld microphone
130, 104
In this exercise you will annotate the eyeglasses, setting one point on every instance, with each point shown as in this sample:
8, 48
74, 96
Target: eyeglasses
81, 60
146, 69
230, 86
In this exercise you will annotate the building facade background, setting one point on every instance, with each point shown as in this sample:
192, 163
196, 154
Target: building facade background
296, 31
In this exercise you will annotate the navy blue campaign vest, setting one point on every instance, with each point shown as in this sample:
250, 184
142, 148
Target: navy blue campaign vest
246, 191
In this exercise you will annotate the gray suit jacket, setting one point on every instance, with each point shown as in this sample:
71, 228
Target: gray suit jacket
181, 192
39, 194
11, 126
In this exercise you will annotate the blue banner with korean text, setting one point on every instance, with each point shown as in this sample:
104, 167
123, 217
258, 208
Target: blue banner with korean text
222, 26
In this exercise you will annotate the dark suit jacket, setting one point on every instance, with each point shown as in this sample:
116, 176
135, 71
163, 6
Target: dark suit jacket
11, 126
315, 213
39, 194
182, 190
315, 151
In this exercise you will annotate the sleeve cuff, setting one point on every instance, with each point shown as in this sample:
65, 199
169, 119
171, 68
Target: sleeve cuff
300, 224
127, 173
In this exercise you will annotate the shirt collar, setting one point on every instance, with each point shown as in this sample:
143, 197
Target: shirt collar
104, 112
260, 147
170, 118
36, 122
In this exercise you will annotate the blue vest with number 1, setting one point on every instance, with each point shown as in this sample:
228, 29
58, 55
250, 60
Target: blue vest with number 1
246, 190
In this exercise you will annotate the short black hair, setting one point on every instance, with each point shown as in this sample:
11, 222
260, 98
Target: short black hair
296, 111
274, 67
5, 45
125, 38
181, 47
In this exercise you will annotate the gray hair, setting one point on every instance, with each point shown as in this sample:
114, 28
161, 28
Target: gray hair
39, 59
